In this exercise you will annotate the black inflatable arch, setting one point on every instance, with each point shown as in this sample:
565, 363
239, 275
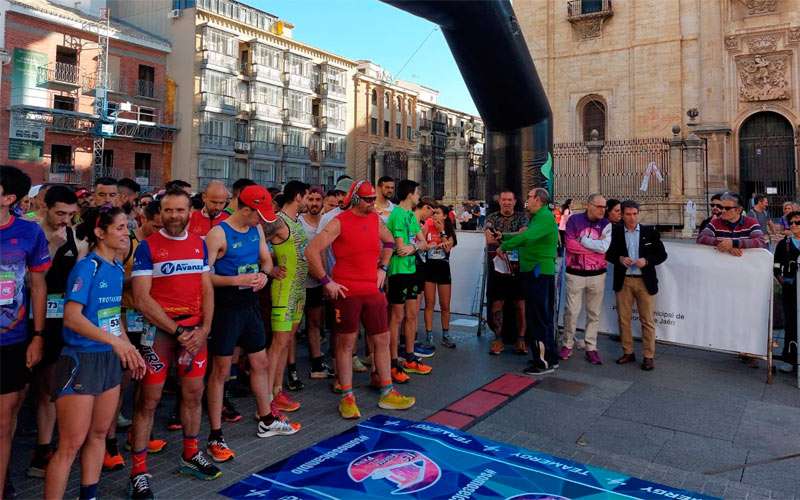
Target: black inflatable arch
490, 50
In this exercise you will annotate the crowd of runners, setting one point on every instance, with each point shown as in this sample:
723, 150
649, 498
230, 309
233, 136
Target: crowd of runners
107, 289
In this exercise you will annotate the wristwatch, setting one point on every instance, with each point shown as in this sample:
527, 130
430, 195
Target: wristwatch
384, 267
179, 331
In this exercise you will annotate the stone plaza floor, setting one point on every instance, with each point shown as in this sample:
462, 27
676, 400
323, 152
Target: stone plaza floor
701, 420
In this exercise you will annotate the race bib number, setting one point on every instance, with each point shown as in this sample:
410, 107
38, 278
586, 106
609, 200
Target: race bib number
135, 320
109, 320
8, 288
246, 269
513, 256
55, 305
436, 254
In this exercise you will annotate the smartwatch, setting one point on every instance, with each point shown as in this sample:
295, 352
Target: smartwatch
179, 331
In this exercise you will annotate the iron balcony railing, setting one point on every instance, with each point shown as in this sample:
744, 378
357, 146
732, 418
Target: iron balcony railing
211, 141
333, 156
64, 173
292, 151
145, 88
579, 9
265, 148
59, 72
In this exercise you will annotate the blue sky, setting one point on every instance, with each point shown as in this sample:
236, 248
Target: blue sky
370, 29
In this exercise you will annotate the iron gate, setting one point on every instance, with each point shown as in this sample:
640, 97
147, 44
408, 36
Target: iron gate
767, 160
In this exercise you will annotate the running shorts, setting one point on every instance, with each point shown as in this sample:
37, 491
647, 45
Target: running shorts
314, 297
232, 326
403, 287
14, 375
288, 299
165, 351
86, 373
53, 340
367, 309
438, 271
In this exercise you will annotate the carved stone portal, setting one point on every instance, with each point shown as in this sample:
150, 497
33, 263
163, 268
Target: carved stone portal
794, 35
763, 77
761, 6
731, 43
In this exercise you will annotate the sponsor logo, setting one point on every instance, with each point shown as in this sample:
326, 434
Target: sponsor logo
181, 267
410, 471
76, 287
150, 356
200, 362
537, 496
102, 284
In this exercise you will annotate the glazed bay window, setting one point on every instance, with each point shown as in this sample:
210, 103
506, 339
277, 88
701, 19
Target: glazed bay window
336, 79
211, 168
335, 148
216, 132
296, 143
298, 70
299, 105
219, 48
267, 62
336, 113
267, 100
293, 172
265, 138
217, 89
262, 171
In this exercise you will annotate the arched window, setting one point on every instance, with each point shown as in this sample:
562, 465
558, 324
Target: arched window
374, 97
593, 117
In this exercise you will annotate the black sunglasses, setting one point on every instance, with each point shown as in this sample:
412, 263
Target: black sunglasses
794, 223
727, 208
716, 205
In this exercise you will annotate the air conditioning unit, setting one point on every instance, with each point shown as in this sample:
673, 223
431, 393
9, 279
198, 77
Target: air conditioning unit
174, 13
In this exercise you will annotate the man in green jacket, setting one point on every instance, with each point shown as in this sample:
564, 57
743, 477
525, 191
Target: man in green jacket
537, 258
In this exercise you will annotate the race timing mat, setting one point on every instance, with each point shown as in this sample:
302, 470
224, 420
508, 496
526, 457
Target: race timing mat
386, 457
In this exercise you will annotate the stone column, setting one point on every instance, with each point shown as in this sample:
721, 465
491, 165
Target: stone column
462, 173
676, 165
415, 166
450, 169
692, 166
595, 147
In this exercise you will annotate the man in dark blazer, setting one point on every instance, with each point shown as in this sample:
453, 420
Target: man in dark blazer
635, 251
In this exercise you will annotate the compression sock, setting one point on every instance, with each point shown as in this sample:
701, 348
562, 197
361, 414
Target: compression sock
215, 434
139, 462
190, 447
88, 492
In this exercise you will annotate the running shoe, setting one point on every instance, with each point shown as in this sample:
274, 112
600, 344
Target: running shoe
348, 409
358, 366
393, 400
321, 371
174, 423
399, 376
229, 412
417, 366
423, 351
39, 464
113, 462
294, 383
139, 487
277, 428
219, 452
283, 402
336, 388
122, 422
537, 368
520, 347
367, 360
447, 341
199, 467
565, 353
496, 347
154, 446
593, 357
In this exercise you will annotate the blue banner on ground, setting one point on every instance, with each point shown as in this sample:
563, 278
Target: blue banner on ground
387, 457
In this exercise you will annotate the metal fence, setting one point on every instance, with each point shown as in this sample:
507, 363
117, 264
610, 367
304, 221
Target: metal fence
571, 168
623, 164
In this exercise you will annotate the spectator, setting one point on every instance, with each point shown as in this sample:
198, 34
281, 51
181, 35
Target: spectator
128, 193
782, 227
635, 251
537, 248
759, 212
588, 239
613, 211
481, 215
716, 209
383, 204
786, 254
732, 231
566, 211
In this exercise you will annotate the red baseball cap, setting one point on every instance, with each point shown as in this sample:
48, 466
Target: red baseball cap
258, 198
362, 188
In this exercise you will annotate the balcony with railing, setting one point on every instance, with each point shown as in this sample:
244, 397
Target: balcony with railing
89, 85
261, 110
265, 148
147, 89
59, 76
220, 60
332, 89
262, 72
298, 81
439, 127
333, 157
64, 173
425, 124
327, 122
297, 152
69, 123
582, 9
211, 141
223, 103
315, 155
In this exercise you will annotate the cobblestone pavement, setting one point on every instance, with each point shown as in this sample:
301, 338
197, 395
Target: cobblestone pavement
701, 420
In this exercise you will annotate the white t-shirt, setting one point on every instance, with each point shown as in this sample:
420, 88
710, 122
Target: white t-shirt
384, 215
483, 212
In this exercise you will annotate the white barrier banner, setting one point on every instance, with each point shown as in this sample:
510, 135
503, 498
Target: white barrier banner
705, 298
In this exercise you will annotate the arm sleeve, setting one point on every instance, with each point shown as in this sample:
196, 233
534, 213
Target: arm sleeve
599, 245
535, 231
573, 236
143, 261
38, 260
79, 282
756, 239
707, 236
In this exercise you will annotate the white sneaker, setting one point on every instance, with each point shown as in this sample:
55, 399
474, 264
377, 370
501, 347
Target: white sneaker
123, 422
277, 428
358, 366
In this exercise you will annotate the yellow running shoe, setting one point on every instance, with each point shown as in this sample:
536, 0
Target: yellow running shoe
348, 409
393, 400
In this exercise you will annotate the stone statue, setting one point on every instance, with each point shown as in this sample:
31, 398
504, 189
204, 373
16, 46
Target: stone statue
689, 219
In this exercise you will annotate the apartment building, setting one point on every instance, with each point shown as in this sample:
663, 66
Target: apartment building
254, 102
53, 107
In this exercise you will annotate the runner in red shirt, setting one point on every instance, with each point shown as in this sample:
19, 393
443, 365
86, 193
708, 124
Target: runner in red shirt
358, 276
213, 212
